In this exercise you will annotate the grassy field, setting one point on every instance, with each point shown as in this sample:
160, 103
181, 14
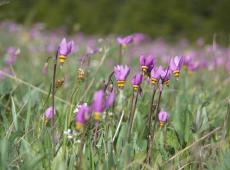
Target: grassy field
196, 135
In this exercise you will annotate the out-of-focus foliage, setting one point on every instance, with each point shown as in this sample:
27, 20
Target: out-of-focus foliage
169, 18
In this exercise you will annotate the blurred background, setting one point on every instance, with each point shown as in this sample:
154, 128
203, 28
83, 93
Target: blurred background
171, 19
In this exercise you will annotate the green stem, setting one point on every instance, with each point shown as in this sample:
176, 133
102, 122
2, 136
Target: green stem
131, 120
120, 55
53, 95
149, 153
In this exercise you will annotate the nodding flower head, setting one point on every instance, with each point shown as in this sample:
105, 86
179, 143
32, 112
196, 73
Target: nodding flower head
82, 115
165, 76
175, 65
124, 41
110, 99
98, 105
12, 54
146, 63
137, 80
121, 73
49, 114
65, 48
156, 75
163, 117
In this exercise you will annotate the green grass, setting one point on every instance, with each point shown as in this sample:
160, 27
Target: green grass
195, 137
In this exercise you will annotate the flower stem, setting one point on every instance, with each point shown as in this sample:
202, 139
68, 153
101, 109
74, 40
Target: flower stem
120, 55
131, 120
53, 94
95, 134
152, 109
149, 152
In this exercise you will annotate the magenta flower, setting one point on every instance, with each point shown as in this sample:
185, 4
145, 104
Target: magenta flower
146, 63
98, 105
12, 54
137, 80
176, 64
110, 99
124, 41
156, 74
165, 76
82, 115
64, 50
121, 73
49, 114
3, 71
163, 117
138, 37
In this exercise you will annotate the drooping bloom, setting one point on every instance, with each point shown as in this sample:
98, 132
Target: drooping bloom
4, 71
82, 115
121, 73
124, 41
98, 105
12, 54
45, 68
110, 99
156, 75
138, 37
146, 63
163, 117
165, 76
65, 48
176, 64
137, 80
49, 114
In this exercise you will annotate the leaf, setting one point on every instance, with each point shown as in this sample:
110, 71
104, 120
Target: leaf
14, 114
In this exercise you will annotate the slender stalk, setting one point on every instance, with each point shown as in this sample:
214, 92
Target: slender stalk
149, 153
83, 138
150, 120
108, 81
120, 55
95, 134
132, 115
53, 93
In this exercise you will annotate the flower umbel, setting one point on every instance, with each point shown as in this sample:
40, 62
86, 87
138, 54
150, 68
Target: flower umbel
176, 64
137, 80
49, 114
121, 73
82, 116
65, 48
163, 117
146, 63
124, 41
98, 105
156, 75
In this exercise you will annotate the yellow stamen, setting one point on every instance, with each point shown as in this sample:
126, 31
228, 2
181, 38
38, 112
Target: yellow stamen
190, 72
144, 68
161, 124
185, 67
154, 81
79, 125
62, 59
46, 121
135, 87
121, 83
176, 73
124, 46
97, 116
167, 83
